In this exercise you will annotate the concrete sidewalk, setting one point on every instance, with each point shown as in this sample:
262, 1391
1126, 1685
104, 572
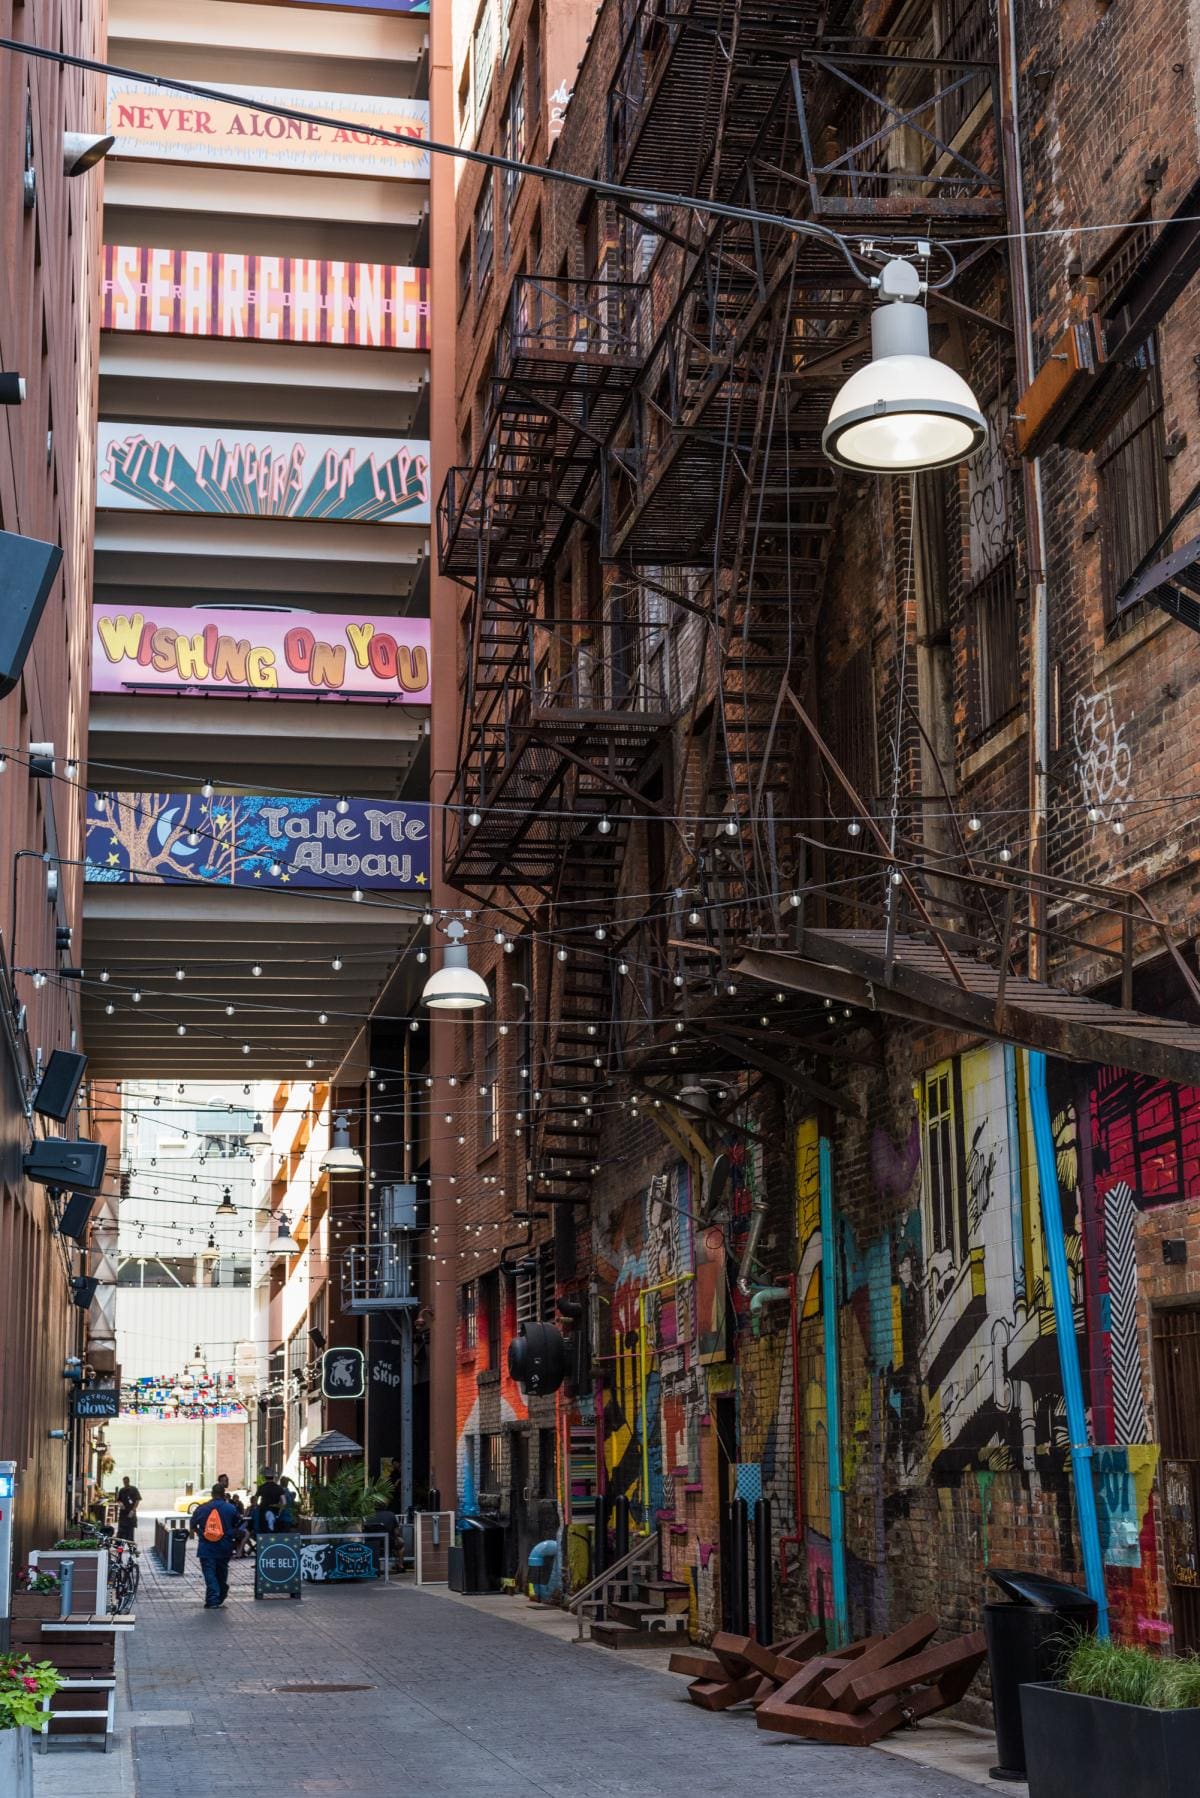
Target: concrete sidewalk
374, 1692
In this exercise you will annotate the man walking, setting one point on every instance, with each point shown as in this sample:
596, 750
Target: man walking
215, 1524
128, 1500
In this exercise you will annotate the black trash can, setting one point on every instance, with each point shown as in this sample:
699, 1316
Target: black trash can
482, 1557
177, 1541
1028, 1639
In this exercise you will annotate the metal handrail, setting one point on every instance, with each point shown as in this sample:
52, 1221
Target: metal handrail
643, 1545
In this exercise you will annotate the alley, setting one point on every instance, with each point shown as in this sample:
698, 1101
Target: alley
373, 1693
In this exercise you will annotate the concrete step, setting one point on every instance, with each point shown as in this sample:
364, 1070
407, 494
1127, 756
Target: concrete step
648, 1617
623, 1635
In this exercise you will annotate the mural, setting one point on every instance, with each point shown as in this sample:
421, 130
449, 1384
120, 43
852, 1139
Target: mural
242, 839
291, 655
282, 299
262, 474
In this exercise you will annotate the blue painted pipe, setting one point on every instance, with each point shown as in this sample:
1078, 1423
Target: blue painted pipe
833, 1421
1068, 1346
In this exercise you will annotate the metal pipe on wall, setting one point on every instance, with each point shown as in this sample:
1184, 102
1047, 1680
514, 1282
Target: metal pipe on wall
764, 1566
1068, 1345
833, 1423
738, 1620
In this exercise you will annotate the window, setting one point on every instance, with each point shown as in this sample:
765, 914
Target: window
489, 1303
535, 1286
514, 143
494, 1464
854, 722
941, 1162
994, 643
1132, 473
547, 1464
483, 55
489, 1072
535, 66
464, 275
468, 1312
485, 234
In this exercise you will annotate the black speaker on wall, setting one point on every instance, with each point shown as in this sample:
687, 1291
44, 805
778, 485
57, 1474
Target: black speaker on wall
27, 571
60, 1085
78, 1165
76, 1212
83, 1290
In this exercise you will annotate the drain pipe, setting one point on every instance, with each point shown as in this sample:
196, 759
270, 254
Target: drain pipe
758, 1217
1035, 516
1068, 1345
833, 1420
765, 1295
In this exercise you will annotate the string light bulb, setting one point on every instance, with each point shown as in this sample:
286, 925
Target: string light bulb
974, 824
207, 789
731, 827
604, 826
341, 805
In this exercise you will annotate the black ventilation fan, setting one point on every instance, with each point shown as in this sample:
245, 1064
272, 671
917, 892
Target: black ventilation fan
537, 1358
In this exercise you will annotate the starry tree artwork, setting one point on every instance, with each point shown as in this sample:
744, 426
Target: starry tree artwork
245, 839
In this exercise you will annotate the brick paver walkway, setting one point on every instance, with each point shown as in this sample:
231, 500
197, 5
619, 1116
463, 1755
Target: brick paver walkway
454, 1703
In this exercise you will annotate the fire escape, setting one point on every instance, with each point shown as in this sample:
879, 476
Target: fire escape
717, 465
561, 717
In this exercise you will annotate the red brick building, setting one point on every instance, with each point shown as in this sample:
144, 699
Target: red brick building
798, 810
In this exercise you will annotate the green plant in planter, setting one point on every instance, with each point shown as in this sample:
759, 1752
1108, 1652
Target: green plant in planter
347, 1496
37, 1579
88, 1542
1097, 1668
23, 1685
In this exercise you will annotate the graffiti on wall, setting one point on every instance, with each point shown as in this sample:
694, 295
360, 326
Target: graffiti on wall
1103, 759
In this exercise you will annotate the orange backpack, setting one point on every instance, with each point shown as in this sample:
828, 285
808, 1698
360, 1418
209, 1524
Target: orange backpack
214, 1529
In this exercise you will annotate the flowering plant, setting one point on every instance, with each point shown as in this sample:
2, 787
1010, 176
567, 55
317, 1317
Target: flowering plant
37, 1579
23, 1685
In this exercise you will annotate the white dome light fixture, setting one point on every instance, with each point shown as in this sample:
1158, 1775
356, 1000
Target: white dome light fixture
455, 986
284, 1243
256, 1138
340, 1157
905, 410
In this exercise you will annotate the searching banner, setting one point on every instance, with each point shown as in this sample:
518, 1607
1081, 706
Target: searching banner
262, 474
291, 655
247, 840
280, 299
149, 123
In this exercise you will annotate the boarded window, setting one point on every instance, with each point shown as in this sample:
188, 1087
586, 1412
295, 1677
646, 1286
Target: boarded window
1132, 472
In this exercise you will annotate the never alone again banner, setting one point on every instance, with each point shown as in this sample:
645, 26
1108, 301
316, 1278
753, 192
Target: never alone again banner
216, 469
256, 840
149, 123
302, 655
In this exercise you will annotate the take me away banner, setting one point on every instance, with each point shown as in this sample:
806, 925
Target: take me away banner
149, 123
297, 655
279, 299
246, 840
262, 474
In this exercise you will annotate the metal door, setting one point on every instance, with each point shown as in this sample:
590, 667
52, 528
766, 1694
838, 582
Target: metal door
1176, 1334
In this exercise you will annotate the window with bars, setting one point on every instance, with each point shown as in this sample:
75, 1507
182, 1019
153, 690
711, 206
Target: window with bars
468, 1315
535, 1287
489, 1071
1131, 470
941, 1160
853, 724
495, 1463
485, 233
993, 645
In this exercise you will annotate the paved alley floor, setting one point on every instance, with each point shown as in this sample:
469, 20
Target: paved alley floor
378, 1692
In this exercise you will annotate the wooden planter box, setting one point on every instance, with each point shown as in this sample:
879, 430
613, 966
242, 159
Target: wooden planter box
1078, 1747
91, 1574
30, 1607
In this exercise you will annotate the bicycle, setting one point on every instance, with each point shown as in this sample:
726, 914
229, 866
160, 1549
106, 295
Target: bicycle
124, 1576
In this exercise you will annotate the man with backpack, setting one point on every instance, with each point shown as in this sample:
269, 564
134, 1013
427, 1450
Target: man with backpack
215, 1525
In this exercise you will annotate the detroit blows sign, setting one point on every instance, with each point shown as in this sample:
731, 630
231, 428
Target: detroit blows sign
262, 474
235, 133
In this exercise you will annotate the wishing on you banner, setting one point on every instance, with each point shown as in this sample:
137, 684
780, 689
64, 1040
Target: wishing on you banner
262, 474
296, 655
251, 840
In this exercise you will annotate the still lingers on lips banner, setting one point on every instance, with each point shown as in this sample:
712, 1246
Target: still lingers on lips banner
149, 123
262, 474
296, 655
254, 840
277, 299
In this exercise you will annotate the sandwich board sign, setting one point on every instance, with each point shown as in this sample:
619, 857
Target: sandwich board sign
277, 1567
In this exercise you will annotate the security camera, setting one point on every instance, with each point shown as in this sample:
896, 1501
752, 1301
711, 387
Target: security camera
82, 150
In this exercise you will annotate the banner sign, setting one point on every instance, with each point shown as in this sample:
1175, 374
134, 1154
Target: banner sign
247, 840
277, 1566
343, 1373
279, 299
149, 123
262, 474
293, 655
344, 1559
